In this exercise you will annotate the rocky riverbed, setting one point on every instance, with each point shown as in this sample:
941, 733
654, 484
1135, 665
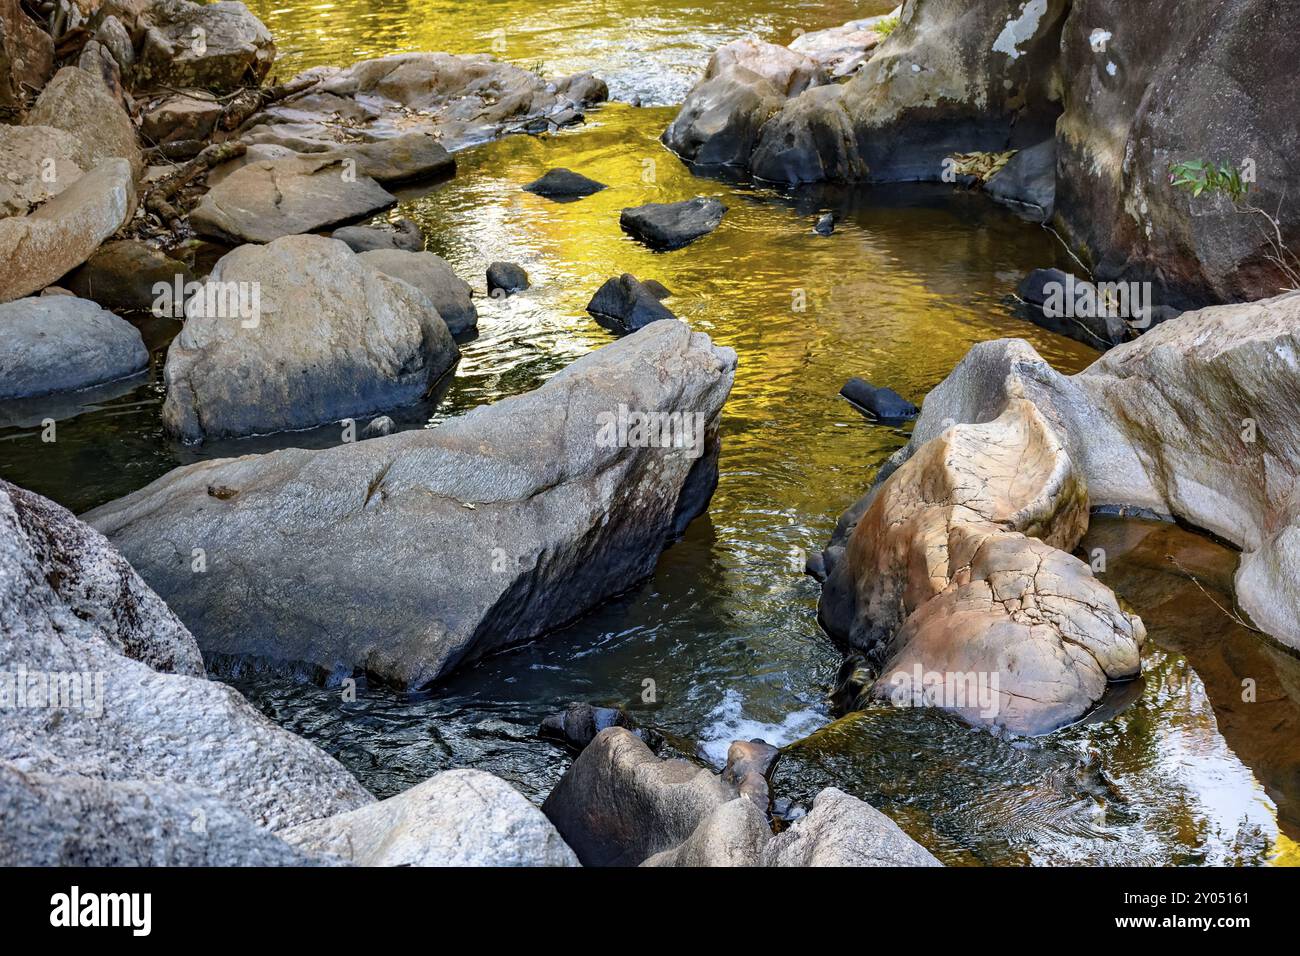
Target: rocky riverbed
383, 473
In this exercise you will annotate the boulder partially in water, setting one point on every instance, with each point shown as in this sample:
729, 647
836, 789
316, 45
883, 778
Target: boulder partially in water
564, 184
577, 725
320, 336
59, 343
431, 547
666, 226
626, 304
403, 235
457, 818
431, 274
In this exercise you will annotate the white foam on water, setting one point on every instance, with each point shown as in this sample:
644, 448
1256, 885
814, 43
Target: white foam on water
730, 723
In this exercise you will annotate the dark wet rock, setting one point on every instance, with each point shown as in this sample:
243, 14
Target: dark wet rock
328, 338
266, 200
237, 50
506, 278
450, 294
749, 769
1027, 183
560, 184
825, 224
124, 274
404, 235
719, 123
81, 104
26, 55
625, 304
60, 344
379, 427
882, 402
149, 739
1034, 288
492, 529
810, 139
577, 725
456, 818
27, 148
657, 289
181, 116
673, 225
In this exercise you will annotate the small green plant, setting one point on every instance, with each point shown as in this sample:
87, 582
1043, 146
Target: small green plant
886, 26
1201, 176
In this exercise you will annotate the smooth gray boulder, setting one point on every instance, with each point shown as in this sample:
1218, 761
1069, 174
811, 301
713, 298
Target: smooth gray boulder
268, 199
236, 49
432, 547
1027, 183
64, 232
59, 343
665, 226
457, 818
403, 234
116, 694
325, 337
450, 294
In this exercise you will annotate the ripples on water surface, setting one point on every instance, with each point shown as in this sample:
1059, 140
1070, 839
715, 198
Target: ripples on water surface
912, 277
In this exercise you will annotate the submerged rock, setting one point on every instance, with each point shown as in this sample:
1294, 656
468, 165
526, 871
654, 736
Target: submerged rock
59, 344
63, 233
506, 278
450, 294
883, 403
666, 226
626, 304
435, 546
457, 818
326, 338
561, 184
404, 235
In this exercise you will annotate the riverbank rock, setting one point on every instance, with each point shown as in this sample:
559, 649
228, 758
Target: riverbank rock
462, 99
269, 199
236, 49
120, 714
626, 304
564, 184
123, 274
26, 55
1027, 183
59, 344
457, 818
64, 232
181, 116
665, 226
719, 122
26, 152
327, 338
619, 805
431, 274
434, 546
80, 104
403, 234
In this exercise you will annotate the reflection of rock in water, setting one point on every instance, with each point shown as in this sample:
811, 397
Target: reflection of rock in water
1182, 618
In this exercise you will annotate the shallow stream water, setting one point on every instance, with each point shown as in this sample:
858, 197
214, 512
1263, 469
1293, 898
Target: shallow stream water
1177, 768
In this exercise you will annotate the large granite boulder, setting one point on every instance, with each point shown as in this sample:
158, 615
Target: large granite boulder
36, 163
268, 199
217, 46
118, 712
431, 274
79, 103
326, 338
1172, 81
432, 547
59, 343
26, 55
457, 818
63, 232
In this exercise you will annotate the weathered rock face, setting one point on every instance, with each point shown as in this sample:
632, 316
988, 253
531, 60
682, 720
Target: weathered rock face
457, 818
842, 50
217, 46
464, 99
432, 547
26, 55
1168, 82
36, 163
619, 805
122, 275
666, 226
63, 233
431, 274
181, 116
719, 123
269, 199
327, 338
79, 103
118, 715
59, 343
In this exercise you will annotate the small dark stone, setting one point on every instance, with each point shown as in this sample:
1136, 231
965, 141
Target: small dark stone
1033, 287
577, 725
825, 225
665, 226
378, 427
562, 184
749, 769
506, 278
881, 402
625, 304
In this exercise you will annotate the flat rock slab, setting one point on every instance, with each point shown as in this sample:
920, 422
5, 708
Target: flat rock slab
327, 338
57, 343
666, 226
432, 547
60, 235
266, 200
564, 184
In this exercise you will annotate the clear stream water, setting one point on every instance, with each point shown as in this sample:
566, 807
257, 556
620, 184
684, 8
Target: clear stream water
1176, 769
